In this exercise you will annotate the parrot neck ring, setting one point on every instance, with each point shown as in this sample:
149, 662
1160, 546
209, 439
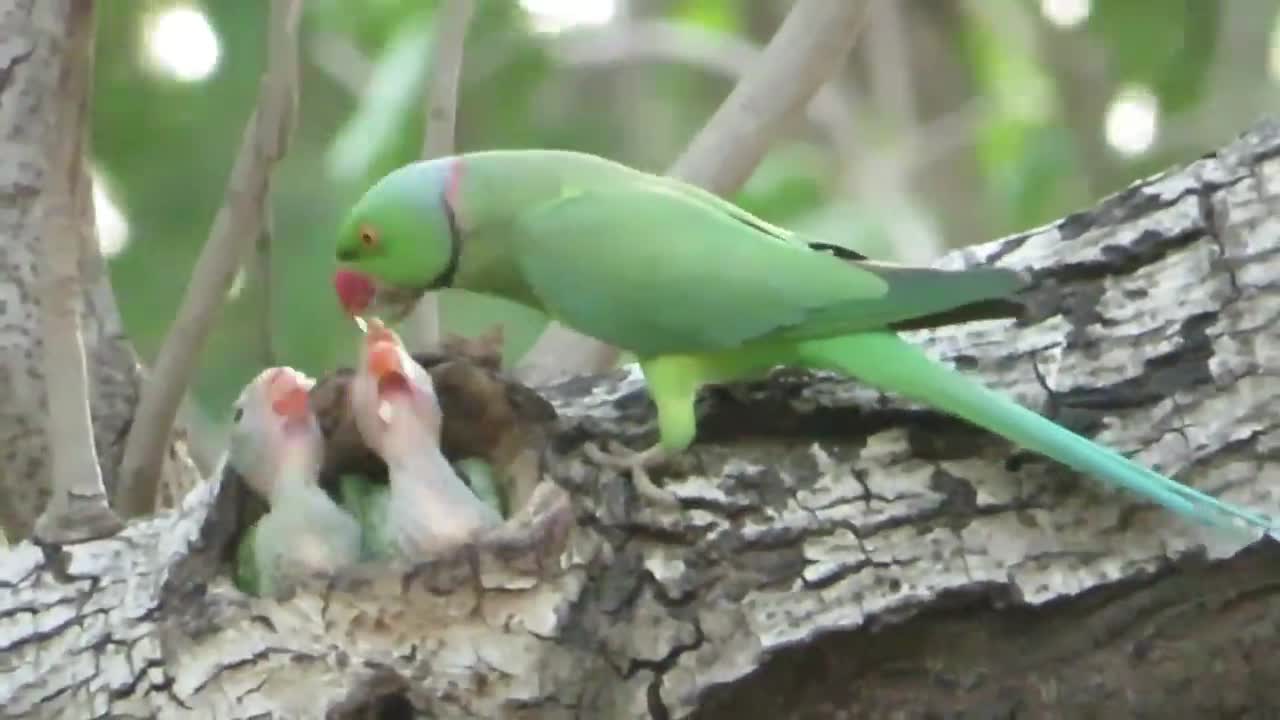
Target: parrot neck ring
446, 276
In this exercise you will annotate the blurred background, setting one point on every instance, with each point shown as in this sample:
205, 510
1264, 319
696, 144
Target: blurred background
953, 122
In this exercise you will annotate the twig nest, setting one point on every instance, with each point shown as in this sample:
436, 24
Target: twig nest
486, 416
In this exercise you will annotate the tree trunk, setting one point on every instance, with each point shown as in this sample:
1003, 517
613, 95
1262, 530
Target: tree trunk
839, 553
33, 48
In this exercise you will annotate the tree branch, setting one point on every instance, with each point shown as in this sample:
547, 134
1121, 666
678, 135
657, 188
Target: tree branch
889, 60
78, 509
810, 45
422, 326
446, 71
839, 553
238, 224
259, 283
831, 109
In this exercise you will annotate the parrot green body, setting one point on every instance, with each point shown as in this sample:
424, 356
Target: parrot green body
699, 290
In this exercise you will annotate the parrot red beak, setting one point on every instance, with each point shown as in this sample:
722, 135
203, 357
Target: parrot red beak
355, 291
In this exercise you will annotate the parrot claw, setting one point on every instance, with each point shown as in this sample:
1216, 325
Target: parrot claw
620, 457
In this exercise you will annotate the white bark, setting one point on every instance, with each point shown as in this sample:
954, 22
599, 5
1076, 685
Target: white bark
78, 508
838, 551
32, 43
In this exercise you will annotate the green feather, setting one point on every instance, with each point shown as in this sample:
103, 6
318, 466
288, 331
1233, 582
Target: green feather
483, 480
609, 264
890, 363
247, 577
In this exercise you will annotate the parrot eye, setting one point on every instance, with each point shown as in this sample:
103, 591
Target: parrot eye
368, 236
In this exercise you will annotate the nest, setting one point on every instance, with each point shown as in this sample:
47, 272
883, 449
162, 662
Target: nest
487, 416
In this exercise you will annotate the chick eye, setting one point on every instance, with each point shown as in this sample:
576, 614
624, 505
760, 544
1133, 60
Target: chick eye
368, 236
239, 413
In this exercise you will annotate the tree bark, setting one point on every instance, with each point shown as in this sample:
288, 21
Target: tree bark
33, 45
840, 553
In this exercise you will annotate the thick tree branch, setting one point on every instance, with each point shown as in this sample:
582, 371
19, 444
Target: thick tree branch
78, 507
422, 326
237, 225
839, 552
33, 53
810, 45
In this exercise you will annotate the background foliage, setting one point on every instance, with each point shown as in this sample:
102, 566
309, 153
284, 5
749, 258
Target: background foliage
953, 122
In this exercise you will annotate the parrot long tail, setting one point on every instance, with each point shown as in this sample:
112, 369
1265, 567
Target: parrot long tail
886, 361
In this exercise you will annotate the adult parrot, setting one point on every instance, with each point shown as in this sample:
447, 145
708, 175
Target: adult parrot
699, 290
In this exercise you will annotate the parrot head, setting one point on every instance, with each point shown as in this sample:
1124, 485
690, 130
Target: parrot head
272, 421
400, 240
393, 399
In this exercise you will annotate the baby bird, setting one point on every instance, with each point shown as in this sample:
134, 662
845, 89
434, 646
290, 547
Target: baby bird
394, 404
277, 447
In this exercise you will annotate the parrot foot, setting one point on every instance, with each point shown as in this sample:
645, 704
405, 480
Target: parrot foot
621, 457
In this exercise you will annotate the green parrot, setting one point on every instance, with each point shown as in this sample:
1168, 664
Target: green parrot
276, 445
699, 290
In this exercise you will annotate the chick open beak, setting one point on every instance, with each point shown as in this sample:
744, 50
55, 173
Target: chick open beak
384, 359
289, 394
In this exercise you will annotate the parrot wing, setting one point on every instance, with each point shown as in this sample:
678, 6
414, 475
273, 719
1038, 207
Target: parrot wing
656, 271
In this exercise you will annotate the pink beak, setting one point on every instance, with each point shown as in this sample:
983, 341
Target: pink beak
289, 397
355, 291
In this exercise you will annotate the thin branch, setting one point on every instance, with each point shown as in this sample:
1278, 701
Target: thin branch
889, 56
640, 133
831, 110
811, 44
808, 48
422, 327
238, 223
78, 509
206, 435
446, 70
259, 282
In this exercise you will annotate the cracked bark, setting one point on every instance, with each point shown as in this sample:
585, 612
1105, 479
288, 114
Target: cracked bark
840, 553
